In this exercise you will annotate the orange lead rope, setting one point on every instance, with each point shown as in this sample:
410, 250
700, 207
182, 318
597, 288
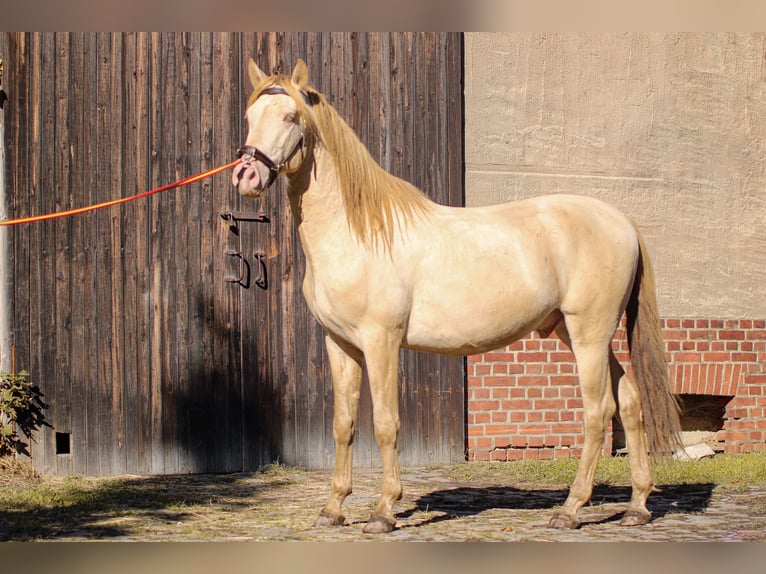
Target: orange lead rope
179, 183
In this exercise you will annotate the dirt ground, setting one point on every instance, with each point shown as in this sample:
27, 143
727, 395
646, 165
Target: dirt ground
281, 503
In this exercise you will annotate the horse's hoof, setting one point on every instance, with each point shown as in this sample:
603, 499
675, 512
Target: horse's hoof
563, 521
327, 519
379, 525
635, 518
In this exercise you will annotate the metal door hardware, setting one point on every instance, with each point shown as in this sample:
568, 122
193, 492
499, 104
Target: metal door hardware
244, 267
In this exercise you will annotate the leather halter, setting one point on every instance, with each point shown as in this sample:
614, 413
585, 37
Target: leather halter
252, 151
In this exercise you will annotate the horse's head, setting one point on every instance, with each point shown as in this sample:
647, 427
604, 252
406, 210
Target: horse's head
276, 129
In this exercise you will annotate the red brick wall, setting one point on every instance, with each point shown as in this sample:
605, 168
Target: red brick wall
524, 401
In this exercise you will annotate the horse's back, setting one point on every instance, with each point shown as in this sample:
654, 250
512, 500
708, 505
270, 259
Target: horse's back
566, 228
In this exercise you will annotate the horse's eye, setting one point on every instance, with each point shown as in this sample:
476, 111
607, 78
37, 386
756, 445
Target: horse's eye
289, 118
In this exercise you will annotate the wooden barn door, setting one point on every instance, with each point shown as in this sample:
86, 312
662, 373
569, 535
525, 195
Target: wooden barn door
119, 315
402, 94
149, 359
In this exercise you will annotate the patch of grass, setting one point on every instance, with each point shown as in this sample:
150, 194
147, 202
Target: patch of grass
724, 470
196, 507
279, 471
555, 473
17, 471
731, 471
21, 487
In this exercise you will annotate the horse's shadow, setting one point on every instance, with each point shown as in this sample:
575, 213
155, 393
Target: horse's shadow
449, 504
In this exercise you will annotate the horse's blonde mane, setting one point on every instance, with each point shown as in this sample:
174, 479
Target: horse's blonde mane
375, 201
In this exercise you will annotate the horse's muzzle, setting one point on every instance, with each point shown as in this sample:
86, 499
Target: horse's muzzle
247, 177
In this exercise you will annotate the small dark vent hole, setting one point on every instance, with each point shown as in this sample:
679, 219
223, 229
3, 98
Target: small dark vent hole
63, 443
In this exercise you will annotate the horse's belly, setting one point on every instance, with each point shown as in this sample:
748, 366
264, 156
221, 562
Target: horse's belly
477, 325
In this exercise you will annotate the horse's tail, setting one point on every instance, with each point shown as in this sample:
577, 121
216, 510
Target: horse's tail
661, 412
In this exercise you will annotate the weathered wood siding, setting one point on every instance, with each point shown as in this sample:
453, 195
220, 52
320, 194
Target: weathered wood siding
150, 362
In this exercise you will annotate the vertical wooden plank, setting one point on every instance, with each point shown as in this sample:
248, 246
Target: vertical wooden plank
262, 416
60, 184
101, 386
271, 382
207, 400
277, 387
258, 406
281, 381
134, 163
76, 259
136, 379
453, 377
78, 250
200, 336
186, 224
222, 380
41, 302
83, 300
13, 47
198, 339
158, 348
165, 387
169, 361
42, 363
231, 346
381, 76
224, 297
146, 63
21, 198
187, 209
121, 51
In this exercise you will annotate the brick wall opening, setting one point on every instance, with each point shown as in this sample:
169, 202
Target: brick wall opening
701, 419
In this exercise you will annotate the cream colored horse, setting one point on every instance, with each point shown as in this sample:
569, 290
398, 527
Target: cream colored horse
387, 268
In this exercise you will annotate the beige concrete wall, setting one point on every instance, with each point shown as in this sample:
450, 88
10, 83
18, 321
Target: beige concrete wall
671, 128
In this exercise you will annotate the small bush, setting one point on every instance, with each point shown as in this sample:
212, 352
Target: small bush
21, 412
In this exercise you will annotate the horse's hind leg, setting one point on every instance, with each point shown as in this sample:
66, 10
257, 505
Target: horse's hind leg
598, 409
347, 379
629, 402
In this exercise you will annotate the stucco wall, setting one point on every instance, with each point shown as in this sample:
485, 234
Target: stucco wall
671, 128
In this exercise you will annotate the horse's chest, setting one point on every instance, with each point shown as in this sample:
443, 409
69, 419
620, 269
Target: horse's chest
345, 298
331, 303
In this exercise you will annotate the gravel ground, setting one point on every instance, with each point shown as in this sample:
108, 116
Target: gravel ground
281, 505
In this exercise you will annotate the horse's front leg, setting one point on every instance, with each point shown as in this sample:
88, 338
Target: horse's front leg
346, 367
382, 360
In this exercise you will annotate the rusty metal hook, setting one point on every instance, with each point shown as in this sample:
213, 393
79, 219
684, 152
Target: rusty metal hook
244, 269
262, 279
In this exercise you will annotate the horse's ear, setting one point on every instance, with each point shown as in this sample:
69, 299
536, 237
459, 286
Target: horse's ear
255, 73
300, 75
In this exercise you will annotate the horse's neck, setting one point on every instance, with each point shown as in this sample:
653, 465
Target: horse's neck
317, 205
